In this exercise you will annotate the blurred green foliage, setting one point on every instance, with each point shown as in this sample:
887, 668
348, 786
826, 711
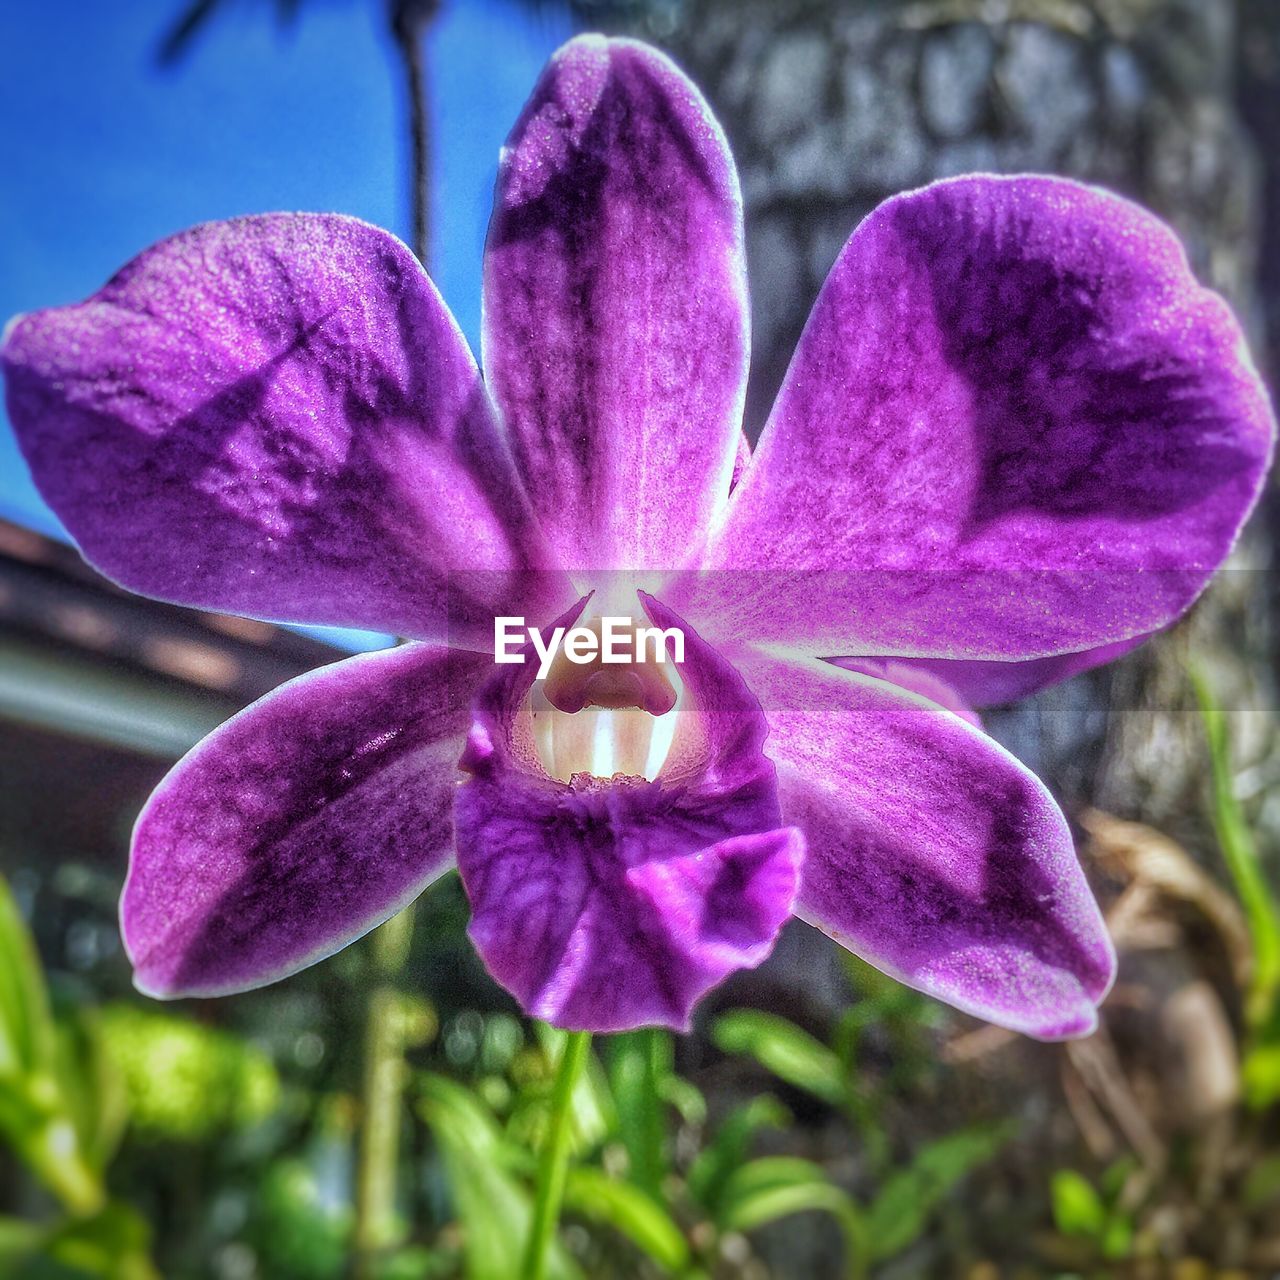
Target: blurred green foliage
61, 1114
1261, 1066
184, 1081
1095, 1214
656, 1186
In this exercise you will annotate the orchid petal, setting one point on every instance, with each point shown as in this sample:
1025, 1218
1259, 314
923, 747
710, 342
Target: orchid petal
605, 904
276, 416
1015, 427
931, 852
615, 320
300, 824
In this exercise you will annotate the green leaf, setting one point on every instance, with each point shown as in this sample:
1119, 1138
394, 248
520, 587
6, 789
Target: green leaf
784, 1050
774, 1187
1115, 1176
1077, 1208
112, 1244
727, 1150
947, 1160
897, 1215
494, 1208
1241, 856
26, 1025
18, 1240
684, 1097
1260, 1070
299, 1229
92, 1089
48, 1113
632, 1212
901, 1209
50, 1150
1117, 1238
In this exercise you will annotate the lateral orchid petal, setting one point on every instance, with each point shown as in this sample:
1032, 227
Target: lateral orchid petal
615, 335
277, 416
931, 852
300, 824
1015, 427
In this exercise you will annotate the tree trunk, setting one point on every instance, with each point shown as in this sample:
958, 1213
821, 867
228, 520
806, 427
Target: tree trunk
410, 21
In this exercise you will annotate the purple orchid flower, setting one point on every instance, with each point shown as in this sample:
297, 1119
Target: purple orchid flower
1016, 439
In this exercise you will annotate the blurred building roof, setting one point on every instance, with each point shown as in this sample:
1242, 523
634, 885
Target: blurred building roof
82, 658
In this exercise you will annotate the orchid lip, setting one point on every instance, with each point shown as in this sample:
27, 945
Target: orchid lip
604, 900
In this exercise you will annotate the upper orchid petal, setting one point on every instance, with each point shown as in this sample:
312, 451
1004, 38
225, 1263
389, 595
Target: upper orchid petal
1014, 427
615, 317
931, 852
276, 416
604, 904
300, 824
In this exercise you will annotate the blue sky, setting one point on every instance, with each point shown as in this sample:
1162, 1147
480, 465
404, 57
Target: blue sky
104, 153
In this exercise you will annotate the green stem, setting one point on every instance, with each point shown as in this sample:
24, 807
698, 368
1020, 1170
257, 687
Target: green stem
377, 1226
553, 1168
658, 1067
1240, 853
52, 1154
857, 1243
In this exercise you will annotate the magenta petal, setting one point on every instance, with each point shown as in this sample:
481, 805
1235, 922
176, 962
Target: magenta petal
931, 852
276, 416
1015, 427
615, 336
606, 904
721, 907
300, 824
